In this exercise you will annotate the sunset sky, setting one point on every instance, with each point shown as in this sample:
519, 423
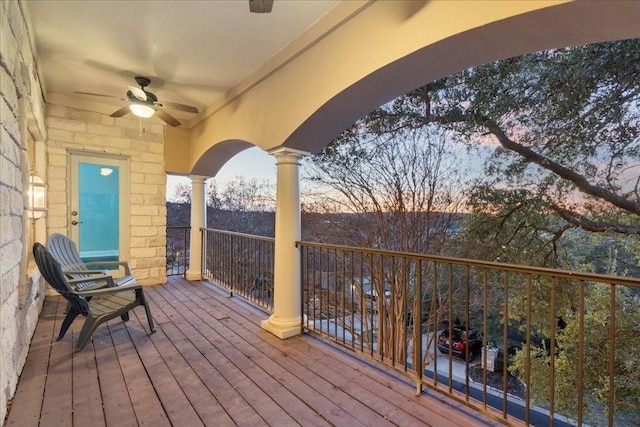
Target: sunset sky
251, 163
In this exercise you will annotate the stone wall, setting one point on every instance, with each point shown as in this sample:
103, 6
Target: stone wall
21, 113
22, 119
73, 130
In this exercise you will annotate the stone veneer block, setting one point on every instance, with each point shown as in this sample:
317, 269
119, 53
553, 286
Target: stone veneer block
21, 287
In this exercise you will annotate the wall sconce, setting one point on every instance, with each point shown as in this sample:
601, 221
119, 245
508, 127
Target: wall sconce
37, 198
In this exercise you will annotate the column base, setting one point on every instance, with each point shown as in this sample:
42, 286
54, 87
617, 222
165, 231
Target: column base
282, 328
193, 275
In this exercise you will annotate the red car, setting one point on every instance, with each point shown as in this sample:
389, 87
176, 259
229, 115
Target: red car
460, 337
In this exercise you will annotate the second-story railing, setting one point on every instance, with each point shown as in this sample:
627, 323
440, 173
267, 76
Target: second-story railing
558, 334
242, 263
178, 240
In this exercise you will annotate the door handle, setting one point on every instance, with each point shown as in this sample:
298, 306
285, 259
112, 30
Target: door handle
74, 222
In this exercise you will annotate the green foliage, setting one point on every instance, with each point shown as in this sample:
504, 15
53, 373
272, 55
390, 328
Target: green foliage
574, 108
560, 189
564, 125
597, 342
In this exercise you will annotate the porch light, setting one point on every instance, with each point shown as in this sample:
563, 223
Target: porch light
37, 198
141, 110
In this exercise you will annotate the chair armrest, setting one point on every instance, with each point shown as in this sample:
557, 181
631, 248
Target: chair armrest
123, 264
72, 272
124, 280
97, 278
104, 291
83, 272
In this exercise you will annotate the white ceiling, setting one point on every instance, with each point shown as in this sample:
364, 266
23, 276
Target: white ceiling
193, 51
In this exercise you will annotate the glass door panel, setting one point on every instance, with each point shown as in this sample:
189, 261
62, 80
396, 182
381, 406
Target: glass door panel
99, 208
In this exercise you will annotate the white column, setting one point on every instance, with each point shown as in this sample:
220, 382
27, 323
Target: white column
286, 319
198, 221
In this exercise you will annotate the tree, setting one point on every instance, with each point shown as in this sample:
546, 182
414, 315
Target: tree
181, 194
246, 195
242, 205
396, 191
564, 126
245, 206
401, 191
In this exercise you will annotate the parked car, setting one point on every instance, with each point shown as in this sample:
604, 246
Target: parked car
458, 342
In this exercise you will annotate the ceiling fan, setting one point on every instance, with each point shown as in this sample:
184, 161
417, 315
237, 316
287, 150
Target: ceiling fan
145, 104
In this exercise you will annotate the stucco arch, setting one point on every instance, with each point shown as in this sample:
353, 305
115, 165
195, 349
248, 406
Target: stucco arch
569, 25
217, 155
385, 50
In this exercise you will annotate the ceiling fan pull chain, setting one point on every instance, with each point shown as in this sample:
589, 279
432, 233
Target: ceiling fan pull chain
142, 129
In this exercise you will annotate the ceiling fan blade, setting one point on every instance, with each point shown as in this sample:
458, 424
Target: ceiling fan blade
260, 6
180, 107
121, 112
167, 118
138, 93
96, 94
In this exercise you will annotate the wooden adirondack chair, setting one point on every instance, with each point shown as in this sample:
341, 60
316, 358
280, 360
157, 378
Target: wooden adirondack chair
105, 304
65, 252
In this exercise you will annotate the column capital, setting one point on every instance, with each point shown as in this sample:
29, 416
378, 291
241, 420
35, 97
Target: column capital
198, 178
281, 153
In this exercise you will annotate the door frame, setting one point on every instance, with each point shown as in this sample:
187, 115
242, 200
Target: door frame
74, 157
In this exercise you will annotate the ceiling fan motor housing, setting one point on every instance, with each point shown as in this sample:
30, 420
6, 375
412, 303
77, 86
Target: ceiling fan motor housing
142, 81
151, 98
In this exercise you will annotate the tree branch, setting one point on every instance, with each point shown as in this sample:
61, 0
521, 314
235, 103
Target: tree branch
531, 156
580, 181
590, 225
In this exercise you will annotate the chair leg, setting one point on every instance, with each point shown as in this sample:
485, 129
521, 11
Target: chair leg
88, 328
140, 296
72, 313
149, 318
125, 317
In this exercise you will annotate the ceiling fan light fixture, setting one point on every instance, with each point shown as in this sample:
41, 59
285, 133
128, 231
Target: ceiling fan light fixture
142, 110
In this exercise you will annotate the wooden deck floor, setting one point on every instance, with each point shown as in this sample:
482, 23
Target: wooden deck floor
209, 363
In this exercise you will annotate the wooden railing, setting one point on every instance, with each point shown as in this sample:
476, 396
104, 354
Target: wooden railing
242, 263
539, 322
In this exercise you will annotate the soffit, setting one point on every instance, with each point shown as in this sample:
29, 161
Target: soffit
193, 51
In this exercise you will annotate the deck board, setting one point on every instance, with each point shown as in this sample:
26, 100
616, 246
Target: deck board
58, 402
117, 404
262, 359
209, 363
87, 399
32, 381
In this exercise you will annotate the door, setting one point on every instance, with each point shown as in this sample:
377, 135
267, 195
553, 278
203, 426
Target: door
99, 207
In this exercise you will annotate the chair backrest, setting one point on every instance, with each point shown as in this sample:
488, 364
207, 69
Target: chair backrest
52, 273
64, 250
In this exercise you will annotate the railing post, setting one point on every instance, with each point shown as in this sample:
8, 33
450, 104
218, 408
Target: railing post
203, 251
286, 318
